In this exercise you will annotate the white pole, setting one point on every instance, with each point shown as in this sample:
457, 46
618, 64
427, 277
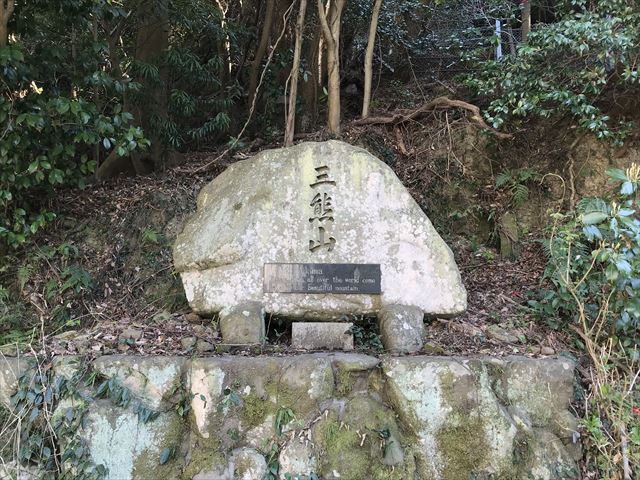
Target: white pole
499, 36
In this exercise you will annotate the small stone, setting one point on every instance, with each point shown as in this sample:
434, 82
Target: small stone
66, 336
204, 346
10, 350
242, 324
82, 344
188, 343
502, 335
466, 328
431, 348
202, 330
321, 336
393, 454
297, 456
130, 334
401, 328
547, 351
161, 318
192, 318
248, 464
355, 362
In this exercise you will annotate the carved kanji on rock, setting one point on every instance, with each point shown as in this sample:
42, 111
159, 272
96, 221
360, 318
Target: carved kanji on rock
322, 208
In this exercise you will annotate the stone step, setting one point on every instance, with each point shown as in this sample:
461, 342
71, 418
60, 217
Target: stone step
322, 336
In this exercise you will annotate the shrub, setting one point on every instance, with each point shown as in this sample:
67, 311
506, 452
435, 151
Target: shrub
594, 264
593, 273
48, 140
569, 68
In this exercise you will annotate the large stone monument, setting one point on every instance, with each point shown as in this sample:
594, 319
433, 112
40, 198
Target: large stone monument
315, 231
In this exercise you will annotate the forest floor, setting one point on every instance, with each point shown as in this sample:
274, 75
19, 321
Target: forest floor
101, 281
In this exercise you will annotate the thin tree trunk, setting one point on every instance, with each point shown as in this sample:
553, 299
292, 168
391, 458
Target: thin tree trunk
262, 48
526, 20
5, 15
331, 23
368, 58
309, 117
295, 72
225, 49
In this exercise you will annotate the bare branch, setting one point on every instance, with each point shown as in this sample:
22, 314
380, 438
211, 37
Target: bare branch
440, 103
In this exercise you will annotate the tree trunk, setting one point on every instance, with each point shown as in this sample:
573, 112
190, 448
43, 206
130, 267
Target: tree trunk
152, 41
526, 20
5, 14
368, 58
295, 71
309, 117
224, 47
262, 48
331, 23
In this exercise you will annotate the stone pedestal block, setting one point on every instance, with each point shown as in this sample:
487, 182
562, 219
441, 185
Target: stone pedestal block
243, 324
322, 336
401, 328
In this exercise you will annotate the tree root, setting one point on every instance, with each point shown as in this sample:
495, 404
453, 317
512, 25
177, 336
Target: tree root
439, 103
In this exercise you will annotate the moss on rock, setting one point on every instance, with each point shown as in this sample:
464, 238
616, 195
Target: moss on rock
203, 460
340, 450
344, 382
171, 436
254, 410
463, 448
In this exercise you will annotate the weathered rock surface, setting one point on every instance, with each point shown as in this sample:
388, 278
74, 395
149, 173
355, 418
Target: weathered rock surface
242, 324
321, 336
258, 211
337, 416
129, 448
11, 369
401, 328
154, 379
484, 418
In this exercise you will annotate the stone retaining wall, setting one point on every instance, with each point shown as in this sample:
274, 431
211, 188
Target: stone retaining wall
329, 416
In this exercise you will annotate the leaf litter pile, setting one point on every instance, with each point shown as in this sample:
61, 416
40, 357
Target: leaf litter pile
101, 281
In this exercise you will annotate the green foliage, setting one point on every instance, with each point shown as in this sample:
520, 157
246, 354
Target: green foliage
201, 92
283, 416
59, 109
47, 141
122, 397
54, 272
594, 264
366, 335
39, 393
611, 424
273, 462
230, 399
167, 454
569, 67
516, 182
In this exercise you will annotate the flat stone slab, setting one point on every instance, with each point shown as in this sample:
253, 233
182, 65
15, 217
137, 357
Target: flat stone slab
322, 336
326, 203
